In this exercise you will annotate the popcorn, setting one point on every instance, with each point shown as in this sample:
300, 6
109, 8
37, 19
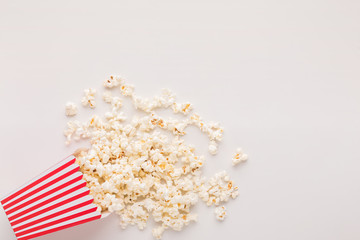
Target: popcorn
184, 108
157, 232
165, 100
116, 103
113, 81
107, 97
89, 98
213, 130
213, 147
220, 213
239, 157
135, 170
76, 131
127, 90
70, 109
218, 189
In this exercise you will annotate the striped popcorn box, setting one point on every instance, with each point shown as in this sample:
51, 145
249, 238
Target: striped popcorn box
55, 200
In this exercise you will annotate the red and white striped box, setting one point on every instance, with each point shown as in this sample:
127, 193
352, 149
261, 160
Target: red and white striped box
56, 199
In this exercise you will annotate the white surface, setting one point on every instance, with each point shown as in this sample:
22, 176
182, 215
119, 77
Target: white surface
282, 76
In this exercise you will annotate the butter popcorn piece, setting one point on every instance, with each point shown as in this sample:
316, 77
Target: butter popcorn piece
70, 109
239, 157
220, 213
89, 98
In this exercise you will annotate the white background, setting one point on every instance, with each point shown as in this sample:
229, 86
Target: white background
283, 77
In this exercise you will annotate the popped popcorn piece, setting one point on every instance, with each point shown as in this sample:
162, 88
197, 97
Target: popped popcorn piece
127, 90
213, 147
113, 81
184, 108
89, 98
134, 170
107, 97
166, 99
239, 157
70, 109
213, 130
220, 213
157, 232
76, 130
116, 103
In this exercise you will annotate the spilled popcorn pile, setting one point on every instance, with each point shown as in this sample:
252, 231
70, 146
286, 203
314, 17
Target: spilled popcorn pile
136, 171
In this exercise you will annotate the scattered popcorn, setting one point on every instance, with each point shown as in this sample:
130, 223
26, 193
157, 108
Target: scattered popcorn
184, 108
135, 170
218, 189
220, 213
70, 109
239, 157
89, 98
213, 130
165, 100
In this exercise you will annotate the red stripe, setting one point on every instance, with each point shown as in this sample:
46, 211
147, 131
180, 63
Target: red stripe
59, 228
66, 201
46, 193
56, 214
46, 225
48, 201
37, 181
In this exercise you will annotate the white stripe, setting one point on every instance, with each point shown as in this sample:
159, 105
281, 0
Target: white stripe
82, 190
63, 162
60, 217
94, 214
67, 179
58, 209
